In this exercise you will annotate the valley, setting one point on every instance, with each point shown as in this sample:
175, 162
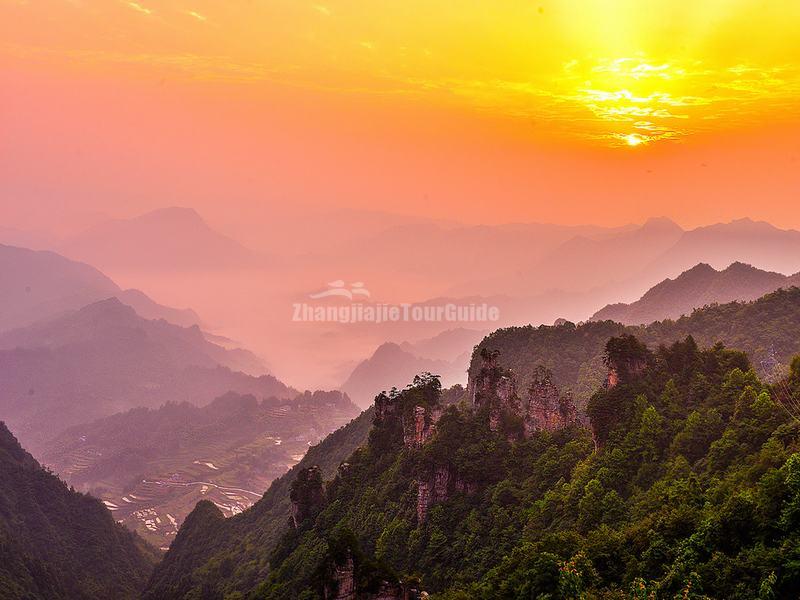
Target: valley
150, 467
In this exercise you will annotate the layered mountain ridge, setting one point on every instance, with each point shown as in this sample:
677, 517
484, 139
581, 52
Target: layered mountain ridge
695, 288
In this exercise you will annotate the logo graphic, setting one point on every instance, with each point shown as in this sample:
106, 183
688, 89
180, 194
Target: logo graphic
362, 310
337, 288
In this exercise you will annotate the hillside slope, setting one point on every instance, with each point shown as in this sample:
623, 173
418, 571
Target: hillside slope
699, 286
56, 544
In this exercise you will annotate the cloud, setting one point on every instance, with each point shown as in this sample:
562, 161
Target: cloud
321, 9
139, 8
197, 16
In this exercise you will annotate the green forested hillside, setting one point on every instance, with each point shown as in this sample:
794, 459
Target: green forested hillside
693, 491
648, 500
56, 544
766, 329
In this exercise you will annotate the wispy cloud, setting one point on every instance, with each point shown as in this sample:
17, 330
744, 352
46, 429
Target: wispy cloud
139, 8
197, 15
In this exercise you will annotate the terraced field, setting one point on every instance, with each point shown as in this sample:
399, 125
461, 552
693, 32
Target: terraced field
150, 467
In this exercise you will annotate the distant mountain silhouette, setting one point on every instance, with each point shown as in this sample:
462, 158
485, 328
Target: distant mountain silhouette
699, 286
112, 321
447, 345
168, 239
393, 365
104, 359
36, 240
38, 285
753, 242
578, 260
58, 544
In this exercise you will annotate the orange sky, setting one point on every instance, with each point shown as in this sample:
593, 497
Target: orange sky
482, 111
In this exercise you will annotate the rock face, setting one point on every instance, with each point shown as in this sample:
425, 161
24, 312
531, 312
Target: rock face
418, 423
631, 368
386, 407
307, 495
439, 487
419, 428
547, 409
626, 358
544, 408
494, 390
342, 585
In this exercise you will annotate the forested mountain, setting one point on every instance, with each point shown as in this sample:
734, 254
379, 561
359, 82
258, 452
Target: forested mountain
103, 359
684, 485
768, 330
151, 466
699, 286
57, 544
39, 285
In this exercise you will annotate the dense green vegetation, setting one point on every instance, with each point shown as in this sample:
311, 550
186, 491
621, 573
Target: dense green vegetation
685, 485
765, 328
56, 544
693, 492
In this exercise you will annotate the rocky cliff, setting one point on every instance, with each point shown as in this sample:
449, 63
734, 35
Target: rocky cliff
307, 495
543, 408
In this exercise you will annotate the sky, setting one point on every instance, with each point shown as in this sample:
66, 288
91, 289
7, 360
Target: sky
571, 111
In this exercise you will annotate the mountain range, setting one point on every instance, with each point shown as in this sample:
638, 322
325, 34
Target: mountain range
534, 273
767, 329
42, 284
392, 365
167, 239
104, 358
695, 288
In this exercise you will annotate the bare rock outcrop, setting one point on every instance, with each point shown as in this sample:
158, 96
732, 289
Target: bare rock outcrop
494, 390
626, 358
442, 484
544, 407
420, 427
547, 408
342, 583
307, 494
